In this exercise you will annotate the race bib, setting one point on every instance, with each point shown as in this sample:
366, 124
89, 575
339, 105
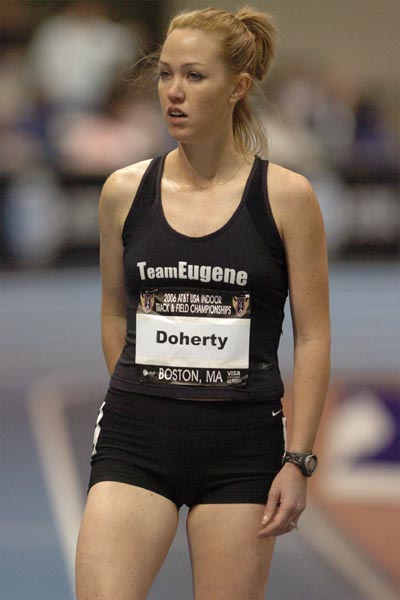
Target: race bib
193, 337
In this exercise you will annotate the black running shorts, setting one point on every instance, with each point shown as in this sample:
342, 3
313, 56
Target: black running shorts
190, 451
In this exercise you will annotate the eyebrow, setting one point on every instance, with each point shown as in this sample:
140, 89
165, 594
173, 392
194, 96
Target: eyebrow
188, 64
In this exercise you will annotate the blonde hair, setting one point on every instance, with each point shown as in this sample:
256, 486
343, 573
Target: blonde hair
248, 44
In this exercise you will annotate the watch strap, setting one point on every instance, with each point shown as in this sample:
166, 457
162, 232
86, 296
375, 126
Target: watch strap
299, 459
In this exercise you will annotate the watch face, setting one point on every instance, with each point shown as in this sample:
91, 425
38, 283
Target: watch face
311, 463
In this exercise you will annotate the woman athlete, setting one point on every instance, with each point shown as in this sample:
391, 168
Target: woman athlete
198, 251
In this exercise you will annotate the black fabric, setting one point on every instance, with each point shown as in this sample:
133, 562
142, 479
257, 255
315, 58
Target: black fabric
192, 452
144, 198
249, 242
259, 210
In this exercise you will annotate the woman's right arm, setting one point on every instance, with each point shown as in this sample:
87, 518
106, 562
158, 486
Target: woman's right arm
116, 198
113, 297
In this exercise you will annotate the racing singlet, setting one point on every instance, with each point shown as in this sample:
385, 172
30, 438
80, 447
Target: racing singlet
204, 314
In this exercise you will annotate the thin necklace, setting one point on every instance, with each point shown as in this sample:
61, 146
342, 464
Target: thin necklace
205, 187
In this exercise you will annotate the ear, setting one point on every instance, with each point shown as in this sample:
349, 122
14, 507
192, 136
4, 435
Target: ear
241, 87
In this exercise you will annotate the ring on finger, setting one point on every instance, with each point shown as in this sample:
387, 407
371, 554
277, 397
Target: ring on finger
293, 525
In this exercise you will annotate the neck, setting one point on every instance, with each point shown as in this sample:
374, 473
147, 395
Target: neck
205, 164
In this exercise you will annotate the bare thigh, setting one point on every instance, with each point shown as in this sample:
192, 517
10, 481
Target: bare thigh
124, 538
228, 561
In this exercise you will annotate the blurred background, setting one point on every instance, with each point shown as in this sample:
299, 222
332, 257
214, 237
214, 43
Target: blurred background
69, 116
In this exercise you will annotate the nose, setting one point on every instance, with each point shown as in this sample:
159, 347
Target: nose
175, 91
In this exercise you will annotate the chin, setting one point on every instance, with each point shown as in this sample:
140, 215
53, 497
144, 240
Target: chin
188, 137
181, 136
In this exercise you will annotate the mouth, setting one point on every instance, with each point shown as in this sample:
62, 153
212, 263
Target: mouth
175, 115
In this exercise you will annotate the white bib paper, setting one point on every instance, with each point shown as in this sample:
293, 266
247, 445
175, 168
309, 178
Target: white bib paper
195, 337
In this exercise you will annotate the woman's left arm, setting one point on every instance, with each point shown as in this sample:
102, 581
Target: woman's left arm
304, 238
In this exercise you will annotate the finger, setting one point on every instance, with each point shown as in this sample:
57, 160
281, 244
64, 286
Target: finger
270, 507
294, 517
275, 530
289, 529
276, 525
293, 514
280, 523
292, 525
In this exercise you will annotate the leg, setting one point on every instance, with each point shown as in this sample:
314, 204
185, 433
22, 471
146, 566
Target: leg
228, 561
124, 538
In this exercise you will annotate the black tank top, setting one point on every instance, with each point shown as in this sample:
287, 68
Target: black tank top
204, 314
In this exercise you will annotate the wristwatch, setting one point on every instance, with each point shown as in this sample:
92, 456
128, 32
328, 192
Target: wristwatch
307, 462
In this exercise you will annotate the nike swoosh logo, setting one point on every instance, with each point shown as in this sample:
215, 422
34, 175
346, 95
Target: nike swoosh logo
276, 412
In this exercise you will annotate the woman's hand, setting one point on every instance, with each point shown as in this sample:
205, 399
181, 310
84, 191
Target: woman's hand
286, 502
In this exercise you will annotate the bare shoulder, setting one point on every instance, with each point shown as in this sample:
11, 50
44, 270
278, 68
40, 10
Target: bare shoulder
292, 198
284, 181
124, 182
119, 192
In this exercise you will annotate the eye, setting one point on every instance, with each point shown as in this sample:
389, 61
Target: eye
163, 74
194, 76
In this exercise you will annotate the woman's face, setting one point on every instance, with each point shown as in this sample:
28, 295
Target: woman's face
194, 81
